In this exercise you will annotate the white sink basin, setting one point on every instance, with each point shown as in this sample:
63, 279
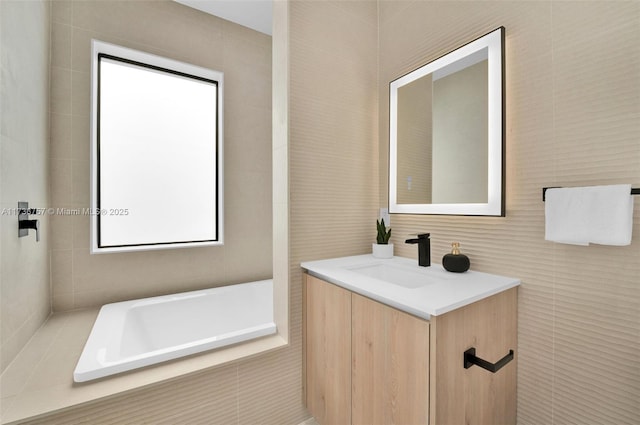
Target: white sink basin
396, 275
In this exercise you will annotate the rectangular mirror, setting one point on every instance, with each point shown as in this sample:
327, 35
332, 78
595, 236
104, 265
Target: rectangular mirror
446, 133
156, 152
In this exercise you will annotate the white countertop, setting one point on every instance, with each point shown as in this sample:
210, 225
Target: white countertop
445, 291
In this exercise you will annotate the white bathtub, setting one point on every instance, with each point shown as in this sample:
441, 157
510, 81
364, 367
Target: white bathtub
133, 334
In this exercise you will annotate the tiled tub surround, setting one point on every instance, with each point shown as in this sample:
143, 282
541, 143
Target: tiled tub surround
195, 388
40, 381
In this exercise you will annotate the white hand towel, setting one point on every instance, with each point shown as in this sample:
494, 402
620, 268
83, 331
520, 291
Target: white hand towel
595, 214
611, 215
566, 218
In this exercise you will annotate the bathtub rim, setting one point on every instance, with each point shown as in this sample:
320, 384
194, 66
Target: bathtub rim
91, 366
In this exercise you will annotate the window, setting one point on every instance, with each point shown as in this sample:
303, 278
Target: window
156, 158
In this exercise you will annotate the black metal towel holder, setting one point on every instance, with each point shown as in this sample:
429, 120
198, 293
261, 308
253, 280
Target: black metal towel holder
634, 191
471, 359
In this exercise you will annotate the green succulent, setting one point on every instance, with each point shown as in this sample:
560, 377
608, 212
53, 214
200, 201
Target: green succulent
383, 233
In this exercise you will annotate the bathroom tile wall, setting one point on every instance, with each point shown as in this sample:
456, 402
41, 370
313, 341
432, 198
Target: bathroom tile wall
573, 118
24, 142
168, 29
333, 113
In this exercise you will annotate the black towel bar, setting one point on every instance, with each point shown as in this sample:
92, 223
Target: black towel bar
470, 359
634, 191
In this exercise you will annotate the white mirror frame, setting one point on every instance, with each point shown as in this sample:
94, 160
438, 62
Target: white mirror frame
192, 200
494, 42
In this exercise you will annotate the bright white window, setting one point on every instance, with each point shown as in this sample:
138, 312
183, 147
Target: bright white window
156, 152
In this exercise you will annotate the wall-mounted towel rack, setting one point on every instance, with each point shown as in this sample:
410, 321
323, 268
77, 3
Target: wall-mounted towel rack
634, 191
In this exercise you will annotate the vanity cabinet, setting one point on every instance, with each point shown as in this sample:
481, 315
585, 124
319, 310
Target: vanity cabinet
367, 363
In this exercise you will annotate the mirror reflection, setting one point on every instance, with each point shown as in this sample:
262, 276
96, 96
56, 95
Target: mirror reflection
446, 134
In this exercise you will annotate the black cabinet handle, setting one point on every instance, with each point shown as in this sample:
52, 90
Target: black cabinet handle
470, 359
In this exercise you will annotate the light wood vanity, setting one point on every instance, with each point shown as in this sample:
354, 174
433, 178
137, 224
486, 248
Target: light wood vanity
368, 363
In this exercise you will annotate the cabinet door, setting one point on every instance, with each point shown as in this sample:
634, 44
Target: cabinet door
476, 396
328, 351
390, 366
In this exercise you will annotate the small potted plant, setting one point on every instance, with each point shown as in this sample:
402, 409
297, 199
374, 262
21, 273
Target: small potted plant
382, 248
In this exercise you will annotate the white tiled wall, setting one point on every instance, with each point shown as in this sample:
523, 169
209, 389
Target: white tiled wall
24, 135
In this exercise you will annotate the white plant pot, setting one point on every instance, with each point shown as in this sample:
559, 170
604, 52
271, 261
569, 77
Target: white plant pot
382, 250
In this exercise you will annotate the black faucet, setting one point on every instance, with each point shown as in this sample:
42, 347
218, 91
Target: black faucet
424, 249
